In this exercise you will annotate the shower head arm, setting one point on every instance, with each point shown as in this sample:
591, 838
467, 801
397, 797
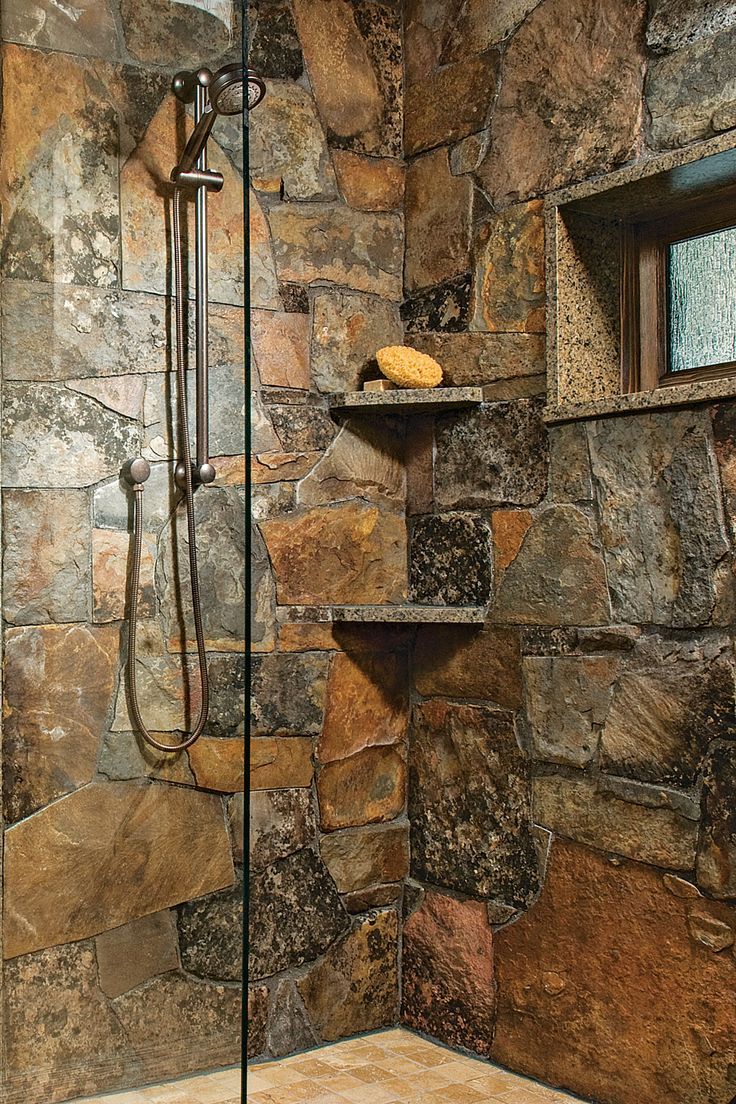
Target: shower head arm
197, 142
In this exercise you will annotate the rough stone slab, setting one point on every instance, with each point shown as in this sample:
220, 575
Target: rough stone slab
567, 699
289, 1029
450, 103
577, 810
218, 764
282, 763
477, 359
589, 944
361, 858
411, 614
716, 866
211, 935
130, 955
463, 663
676, 23
369, 183
356, 987
364, 461
367, 704
366, 788
85, 851
438, 212
281, 822
288, 694
406, 400
448, 988
287, 144
450, 560
690, 93
508, 251
347, 330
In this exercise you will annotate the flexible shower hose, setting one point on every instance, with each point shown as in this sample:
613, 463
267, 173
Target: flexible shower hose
191, 527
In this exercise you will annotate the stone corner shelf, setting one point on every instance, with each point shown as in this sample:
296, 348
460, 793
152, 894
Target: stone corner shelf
396, 615
423, 400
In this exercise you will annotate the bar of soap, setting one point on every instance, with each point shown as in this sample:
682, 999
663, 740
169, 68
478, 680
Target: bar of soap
408, 367
379, 385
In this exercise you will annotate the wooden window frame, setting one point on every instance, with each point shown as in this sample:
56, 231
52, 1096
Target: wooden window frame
644, 294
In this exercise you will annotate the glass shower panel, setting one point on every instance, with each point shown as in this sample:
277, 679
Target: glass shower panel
702, 301
122, 868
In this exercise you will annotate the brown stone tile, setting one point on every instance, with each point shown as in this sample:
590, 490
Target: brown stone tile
438, 219
110, 551
366, 788
450, 104
348, 329
137, 951
280, 344
366, 704
509, 259
281, 762
368, 183
218, 764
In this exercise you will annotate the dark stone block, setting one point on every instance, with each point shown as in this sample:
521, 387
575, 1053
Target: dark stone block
289, 1029
274, 50
295, 914
227, 696
287, 694
470, 803
716, 863
211, 935
302, 428
257, 1019
493, 455
295, 298
281, 822
450, 560
442, 309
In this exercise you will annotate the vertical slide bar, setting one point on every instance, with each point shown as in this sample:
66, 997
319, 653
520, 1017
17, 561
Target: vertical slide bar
202, 300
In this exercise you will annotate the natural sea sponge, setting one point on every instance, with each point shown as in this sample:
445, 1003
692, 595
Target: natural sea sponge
408, 368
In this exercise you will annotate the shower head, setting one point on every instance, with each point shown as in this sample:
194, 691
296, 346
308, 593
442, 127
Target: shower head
226, 96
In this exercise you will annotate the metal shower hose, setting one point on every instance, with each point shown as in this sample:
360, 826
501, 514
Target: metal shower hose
191, 528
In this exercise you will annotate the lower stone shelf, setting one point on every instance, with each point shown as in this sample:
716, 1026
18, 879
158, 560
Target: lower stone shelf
398, 615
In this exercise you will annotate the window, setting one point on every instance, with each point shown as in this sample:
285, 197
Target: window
678, 296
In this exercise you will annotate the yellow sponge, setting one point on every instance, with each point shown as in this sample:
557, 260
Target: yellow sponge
408, 367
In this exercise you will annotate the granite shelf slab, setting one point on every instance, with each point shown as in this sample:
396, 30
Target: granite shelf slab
408, 400
397, 615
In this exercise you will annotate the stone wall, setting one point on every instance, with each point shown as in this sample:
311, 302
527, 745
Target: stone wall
570, 910
329, 723
123, 884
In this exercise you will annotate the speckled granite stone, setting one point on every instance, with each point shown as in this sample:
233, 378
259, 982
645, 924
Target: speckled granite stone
450, 560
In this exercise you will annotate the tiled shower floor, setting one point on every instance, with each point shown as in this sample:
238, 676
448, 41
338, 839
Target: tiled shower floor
222, 1087
391, 1067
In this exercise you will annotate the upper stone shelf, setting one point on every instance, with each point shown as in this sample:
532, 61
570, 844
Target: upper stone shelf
409, 614
409, 400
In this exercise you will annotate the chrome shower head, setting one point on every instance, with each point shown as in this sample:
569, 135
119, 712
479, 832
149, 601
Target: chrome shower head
225, 97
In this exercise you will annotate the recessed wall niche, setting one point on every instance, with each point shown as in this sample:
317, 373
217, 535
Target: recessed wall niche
587, 285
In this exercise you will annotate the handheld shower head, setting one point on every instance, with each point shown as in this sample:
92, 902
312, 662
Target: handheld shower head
226, 96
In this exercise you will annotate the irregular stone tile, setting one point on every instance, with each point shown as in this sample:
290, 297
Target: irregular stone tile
262, 596
236, 824
273, 500
450, 560
60, 1018
570, 98
280, 348
366, 788
227, 695
179, 850
445, 308
428, 24
169, 691
230, 470
509, 259
369, 183
690, 93
576, 809
724, 437
193, 1024
276, 467
220, 518
58, 688
448, 988
356, 987
671, 700
144, 214
536, 590
716, 866
492, 456
438, 222
123, 395
218, 764
676, 23
325, 242
130, 955
469, 359
257, 1020
157, 34
361, 858
302, 428
379, 896
364, 461
536, 640
211, 935
588, 944
281, 763
287, 145
450, 103
714, 934
467, 155
125, 756
227, 417
289, 1029
484, 23
346, 554
366, 704
264, 286
58, 438
274, 48
347, 331
110, 551
112, 506
295, 914
46, 556
288, 694
281, 822
569, 467
567, 700
460, 661
509, 527
353, 57
469, 803
84, 27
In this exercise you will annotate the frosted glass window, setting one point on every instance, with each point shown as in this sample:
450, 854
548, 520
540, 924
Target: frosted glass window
702, 301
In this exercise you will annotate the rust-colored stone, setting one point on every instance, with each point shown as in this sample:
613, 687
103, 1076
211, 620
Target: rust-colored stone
281, 763
69, 868
438, 218
367, 704
509, 529
110, 551
280, 344
369, 183
509, 257
218, 764
347, 554
620, 945
456, 661
448, 984
367, 788
367, 856
450, 104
